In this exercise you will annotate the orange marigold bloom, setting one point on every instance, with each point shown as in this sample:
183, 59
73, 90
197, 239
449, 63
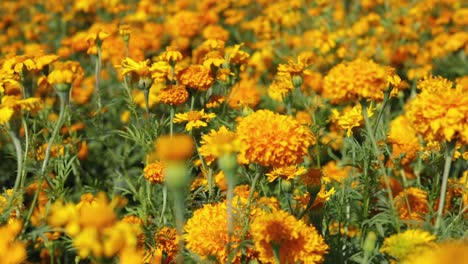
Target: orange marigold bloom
440, 112
217, 143
271, 139
173, 95
244, 94
293, 239
404, 140
185, 24
286, 173
166, 151
358, 79
167, 242
154, 172
197, 77
350, 118
206, 232
418, 204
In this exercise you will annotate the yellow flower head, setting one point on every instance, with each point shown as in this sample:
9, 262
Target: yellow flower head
286, 173
271, 139
171, 55
11, 250
206, 232
401, 245
454, 251
294, 240
358, 79
194, 119
439, 112
350, 118
244, 94
65, 72
167, 242
139, 68
404, 140
217, 143
11, 106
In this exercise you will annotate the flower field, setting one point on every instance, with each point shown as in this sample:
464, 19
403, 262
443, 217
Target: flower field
138, 131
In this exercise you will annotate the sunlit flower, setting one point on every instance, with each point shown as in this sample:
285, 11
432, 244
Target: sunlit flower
12, 251
399, 246
167, 242
11, 107
292, 238
451, 251
358, 79
218, 142
244, 94
165, 150
286, 173
194, 119
403, 139
439, 112
270, 139
350, 118
139, 68
207, 232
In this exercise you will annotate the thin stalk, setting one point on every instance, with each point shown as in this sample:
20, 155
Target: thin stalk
97, 77
384, 104
179, 214
443, 190
63, 96
171, 124
163, 211
19, 161
381, 165
146, 94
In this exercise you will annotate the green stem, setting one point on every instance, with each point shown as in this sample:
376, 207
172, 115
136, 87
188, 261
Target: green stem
163, 211
179, 215
171, 124
381, 165
19, 161
276, 253
146, 94
384, 104
443, 191
63, 96
97, 77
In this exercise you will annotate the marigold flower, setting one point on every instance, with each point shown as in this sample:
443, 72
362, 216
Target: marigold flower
12, 106
439, 112
401, 245
166, 151
244, 94
280, 87
294, 240
185, 24
197, 77
207, 232
173, 95
167, 242
454, 251
194, 119
154, 172
403, 139
271, 139
12, 251
418, 204
171, 55
65, 72
350, 118
218, 142
286, 173
139, 68
358, 79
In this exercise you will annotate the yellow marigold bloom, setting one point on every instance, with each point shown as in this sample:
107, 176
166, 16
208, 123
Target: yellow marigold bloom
139, 68
439, 112
185, 24
454, 251
244, 94
65, 72
236, 55
166, 151
154, 172
167, 242
173, 95
280, 87
171, 55
197, 77
400, 246
215, 32
350, 118
418, 203
292, 238
358, 79
286, 173
271, 139
194, 119
403, 139
218, 142
336, 172
11, 250
11, 107
161, 71
206, 232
